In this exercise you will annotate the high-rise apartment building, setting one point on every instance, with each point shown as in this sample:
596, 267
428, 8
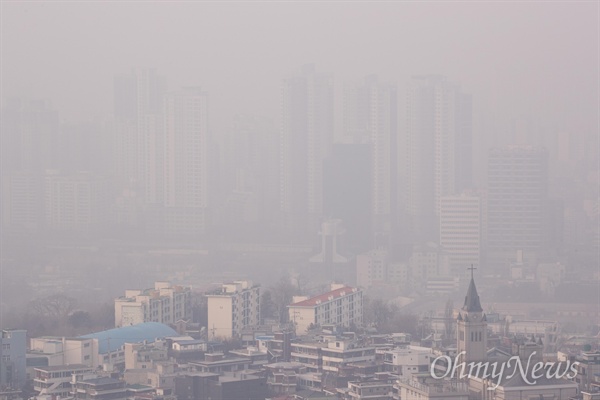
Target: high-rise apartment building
232, 308
248, 185
306, 135
347, 192
165, 303
438, 149
516, 206
28, 146
74, 201
371, 116
138, 104
460, 231
186, 162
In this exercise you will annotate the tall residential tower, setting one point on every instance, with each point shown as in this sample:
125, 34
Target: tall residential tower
438, 149
517, 200
371, 116
186, 161
306, 136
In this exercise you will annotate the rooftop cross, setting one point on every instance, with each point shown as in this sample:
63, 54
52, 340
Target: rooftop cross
472, 268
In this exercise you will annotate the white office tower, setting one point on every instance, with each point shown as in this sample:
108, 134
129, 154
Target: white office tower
330, 232
460, 231
517, 198
186, 162
306, 136
371, 116
438, 149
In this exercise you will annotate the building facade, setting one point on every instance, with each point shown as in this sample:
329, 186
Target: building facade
517, 197
74, 201
165, 303
306, 137
371, 116
13, 348
232, 308
341, 306
460, 231
438, 146
56, 381
186, 178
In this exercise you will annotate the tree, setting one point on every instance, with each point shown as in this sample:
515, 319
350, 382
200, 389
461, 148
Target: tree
267, 306
80, 319
199, 309
448, 319
282, 293
103, 315
55, 306
387, 317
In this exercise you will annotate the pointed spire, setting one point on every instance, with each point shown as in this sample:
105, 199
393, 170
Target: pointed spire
472, 298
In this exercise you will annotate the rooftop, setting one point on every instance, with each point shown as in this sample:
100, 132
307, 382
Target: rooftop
113, 339
100, 381
68, 367
334, 294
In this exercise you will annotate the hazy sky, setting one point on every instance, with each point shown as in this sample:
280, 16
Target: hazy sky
538, 58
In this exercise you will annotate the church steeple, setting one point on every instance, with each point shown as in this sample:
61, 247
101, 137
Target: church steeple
472, 303
472, 326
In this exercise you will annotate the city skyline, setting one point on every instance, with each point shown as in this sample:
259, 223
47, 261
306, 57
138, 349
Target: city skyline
283, 200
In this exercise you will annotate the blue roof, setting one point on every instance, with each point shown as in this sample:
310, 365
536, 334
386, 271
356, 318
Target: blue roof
113, 339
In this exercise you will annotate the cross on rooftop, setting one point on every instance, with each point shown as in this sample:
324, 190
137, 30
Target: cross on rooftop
472, 268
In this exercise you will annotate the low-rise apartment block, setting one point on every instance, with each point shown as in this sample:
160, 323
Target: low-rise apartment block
232, 308
342, 306
165, 303
56, 381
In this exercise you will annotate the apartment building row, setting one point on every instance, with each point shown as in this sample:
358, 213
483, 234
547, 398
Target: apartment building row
342, 306
164, 303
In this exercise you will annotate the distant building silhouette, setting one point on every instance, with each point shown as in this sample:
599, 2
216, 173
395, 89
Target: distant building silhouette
347, 192
438, 149
460, 231
306, 137
29, 144
371, 116
517, 200
186, 180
